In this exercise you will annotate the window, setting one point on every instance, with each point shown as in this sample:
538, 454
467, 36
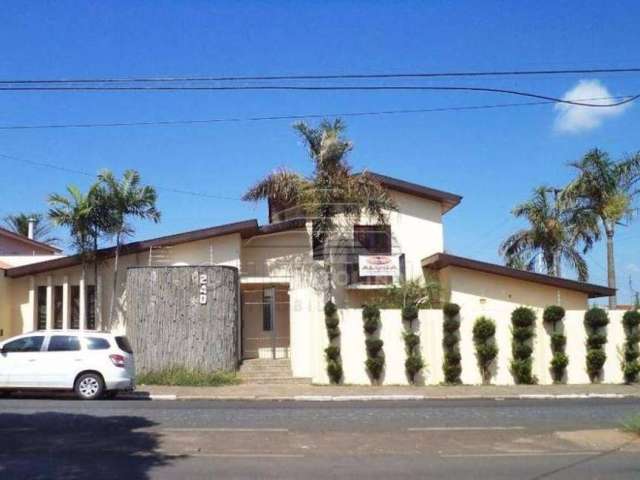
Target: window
267, 309
25, 344
42, 308
64, 343
94, 343
91, 307
124, 345
57, 307
374, 239
75, 307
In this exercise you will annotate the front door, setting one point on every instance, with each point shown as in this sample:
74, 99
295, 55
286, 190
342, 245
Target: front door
265, 321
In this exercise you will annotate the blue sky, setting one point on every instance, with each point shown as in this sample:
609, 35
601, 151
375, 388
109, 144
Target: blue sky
492, 157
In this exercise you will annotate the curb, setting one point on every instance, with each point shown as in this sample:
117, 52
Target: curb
367, 398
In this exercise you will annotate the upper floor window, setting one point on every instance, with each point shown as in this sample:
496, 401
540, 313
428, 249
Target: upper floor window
372, 239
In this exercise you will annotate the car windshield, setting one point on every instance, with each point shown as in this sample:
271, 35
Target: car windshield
124, 345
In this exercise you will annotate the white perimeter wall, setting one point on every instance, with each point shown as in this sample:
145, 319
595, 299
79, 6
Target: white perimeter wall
430, 327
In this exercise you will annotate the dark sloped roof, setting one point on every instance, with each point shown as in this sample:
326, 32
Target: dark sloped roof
442, 260
27, 241
246, 228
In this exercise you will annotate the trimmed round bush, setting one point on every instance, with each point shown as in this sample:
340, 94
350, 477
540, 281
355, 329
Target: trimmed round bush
411, 341
334, 370
559, 363
487, 353
553, 314
371, 325
374, 345
595, 362
333, 333
413, 364
332, 352
483, 329
631, 355
331, 322
449, 340
523, 317
409, 313
596, 318
452, 357
522, 334
631, 371
375, 365
451, 325
371, 312
631, 319
452, 373
597, 340
521, 351
330, 309
451, 309
521, 370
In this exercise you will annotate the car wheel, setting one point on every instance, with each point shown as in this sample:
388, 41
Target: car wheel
89, 386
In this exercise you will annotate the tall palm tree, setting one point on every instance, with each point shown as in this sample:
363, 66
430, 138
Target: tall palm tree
75, 212
331, 190
19, 223
606, 189
554, 234
122, 200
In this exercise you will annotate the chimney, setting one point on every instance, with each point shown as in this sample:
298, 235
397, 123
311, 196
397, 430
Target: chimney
32, 222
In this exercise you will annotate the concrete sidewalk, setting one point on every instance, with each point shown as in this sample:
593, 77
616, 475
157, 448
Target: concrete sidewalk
349, 392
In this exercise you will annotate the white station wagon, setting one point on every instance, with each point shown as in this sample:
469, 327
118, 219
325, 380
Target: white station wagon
91, 363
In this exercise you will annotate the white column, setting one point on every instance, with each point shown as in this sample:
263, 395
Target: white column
83, 304
66, 314
49, 302
28, 324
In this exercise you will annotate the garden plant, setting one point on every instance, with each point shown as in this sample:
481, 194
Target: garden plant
554, 315
451, 365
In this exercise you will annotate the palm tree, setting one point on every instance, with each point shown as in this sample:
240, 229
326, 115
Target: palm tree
332, 189
76, 213
607, 190
19, 223
123, 199
554, 233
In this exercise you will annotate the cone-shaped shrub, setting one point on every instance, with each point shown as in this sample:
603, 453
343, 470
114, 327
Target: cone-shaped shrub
484, 330
595, 319
554, 315
451, 326
631, 352
332, 352
375, 355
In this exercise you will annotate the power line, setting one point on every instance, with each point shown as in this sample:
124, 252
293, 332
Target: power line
351, 76
88, 174
292, 116
323, 88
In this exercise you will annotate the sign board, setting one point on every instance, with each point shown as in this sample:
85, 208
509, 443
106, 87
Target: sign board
203, 289
379, 265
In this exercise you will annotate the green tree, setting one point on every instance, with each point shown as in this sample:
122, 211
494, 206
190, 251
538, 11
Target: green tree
556, 231
19, 223
332, 189
606, 189
122, 200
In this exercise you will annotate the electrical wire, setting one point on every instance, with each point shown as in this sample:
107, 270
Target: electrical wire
352, 76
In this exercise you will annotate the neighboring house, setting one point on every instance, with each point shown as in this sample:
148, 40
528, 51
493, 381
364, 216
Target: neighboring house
281, 275
17, 250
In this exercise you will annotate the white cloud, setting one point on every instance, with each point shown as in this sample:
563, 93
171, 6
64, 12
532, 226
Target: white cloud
574, 118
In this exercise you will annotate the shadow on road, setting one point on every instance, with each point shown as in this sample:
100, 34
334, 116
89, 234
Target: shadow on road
68, 446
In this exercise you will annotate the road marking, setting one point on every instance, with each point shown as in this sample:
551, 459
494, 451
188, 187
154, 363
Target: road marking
230, 430
462, 429
521, 454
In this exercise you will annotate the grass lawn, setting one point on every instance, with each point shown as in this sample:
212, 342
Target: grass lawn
182, 377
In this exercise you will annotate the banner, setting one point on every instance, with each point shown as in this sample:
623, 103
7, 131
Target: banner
379, 265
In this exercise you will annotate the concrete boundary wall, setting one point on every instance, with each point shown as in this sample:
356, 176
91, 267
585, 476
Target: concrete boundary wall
430, 328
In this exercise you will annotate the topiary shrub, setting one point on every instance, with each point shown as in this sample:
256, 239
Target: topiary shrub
332, 352
554, 315
375, 355
631, 353
595, 319
523, 320
451, 366
484, 330
414, 362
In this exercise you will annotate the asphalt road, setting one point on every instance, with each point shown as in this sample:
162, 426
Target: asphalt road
452, 439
